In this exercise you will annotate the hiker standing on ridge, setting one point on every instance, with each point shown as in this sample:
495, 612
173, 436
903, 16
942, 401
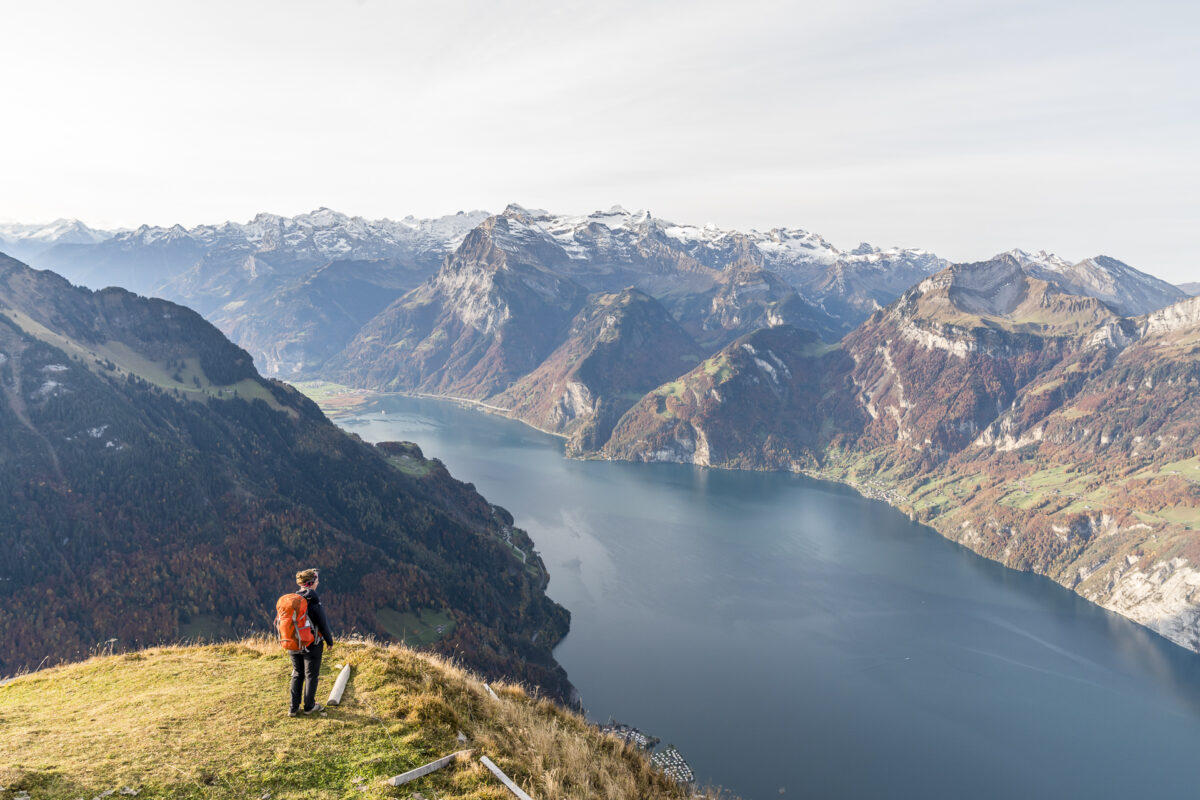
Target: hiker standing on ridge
306, 662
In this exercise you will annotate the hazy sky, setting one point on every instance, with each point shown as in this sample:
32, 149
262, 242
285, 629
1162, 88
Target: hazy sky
963, 127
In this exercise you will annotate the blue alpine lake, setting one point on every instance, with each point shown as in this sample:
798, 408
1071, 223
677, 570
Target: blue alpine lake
794, 639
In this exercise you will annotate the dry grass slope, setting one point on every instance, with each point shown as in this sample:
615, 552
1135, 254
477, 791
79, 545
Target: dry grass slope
210, 722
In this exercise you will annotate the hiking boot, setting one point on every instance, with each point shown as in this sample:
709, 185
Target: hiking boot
316, 707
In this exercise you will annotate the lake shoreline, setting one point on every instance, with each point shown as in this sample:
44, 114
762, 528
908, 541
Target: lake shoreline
873, 491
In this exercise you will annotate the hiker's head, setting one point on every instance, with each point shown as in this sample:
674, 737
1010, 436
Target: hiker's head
307, 578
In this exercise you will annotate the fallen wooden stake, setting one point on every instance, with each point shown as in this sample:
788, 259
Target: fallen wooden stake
489, 691
421, 772
339, 686
507, 781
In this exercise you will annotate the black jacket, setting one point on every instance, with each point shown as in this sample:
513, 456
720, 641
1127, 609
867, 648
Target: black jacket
316, 613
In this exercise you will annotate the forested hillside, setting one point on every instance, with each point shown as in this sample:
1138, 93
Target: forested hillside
153, 487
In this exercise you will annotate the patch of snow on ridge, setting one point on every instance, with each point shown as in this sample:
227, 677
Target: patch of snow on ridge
693, 234
1041, 258
794, 244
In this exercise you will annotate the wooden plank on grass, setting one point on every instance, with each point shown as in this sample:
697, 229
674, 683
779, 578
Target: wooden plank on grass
507, 781
421, 772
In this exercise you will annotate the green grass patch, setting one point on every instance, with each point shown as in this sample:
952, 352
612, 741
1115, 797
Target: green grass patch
188, 380
672, 389
193, 723
416, 628
1188, 469
333, 399
411, 465
718, 367
1187, 516
1048, 386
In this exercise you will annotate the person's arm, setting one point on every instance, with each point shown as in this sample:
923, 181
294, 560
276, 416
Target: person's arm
317, 614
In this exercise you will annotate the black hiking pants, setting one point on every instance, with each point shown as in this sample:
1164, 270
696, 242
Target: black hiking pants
306, 668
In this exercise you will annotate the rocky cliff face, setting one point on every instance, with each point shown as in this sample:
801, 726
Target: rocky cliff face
747, 297
763, 402
952, 356
619, 347
492, 314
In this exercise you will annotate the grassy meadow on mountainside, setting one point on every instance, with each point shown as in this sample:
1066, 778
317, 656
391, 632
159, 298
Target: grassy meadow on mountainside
210, 721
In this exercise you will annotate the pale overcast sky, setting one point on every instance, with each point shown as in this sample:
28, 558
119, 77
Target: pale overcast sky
963, 127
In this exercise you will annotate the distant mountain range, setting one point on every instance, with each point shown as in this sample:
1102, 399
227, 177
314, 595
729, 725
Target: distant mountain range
296, 291
29, 241
155, 487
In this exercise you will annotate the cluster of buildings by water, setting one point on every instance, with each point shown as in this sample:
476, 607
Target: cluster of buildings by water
668, 760
673, 765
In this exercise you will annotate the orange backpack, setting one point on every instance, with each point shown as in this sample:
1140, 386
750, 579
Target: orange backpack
291, 620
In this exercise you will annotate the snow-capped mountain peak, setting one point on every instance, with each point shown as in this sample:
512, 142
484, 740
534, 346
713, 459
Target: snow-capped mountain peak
1040, 259
60, 231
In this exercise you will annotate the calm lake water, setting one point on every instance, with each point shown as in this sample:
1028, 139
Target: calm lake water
793, 639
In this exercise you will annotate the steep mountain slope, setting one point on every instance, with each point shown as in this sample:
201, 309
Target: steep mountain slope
619, 347
1096, 484
494, 311
294, 329
747, 297
865, 279
155, 486
102, 728
505, 299
765, 401
941, 363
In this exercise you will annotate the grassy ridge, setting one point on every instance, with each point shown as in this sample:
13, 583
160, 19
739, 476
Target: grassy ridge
211, 722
